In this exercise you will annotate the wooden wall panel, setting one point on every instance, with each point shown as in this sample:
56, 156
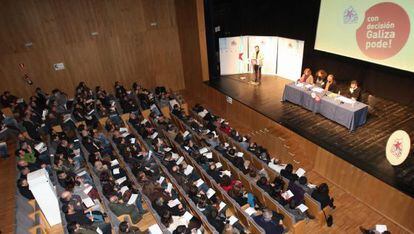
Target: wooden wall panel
127, 49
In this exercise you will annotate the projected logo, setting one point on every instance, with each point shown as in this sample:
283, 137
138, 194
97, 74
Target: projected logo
384, 32
350, 16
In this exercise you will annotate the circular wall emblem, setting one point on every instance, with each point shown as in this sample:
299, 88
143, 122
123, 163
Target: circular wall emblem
398, 147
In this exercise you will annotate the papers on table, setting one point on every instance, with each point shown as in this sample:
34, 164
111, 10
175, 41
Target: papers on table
115, 171
132, 199
287, 195
187, 216
208, 155
250, 211
180, 160
121, 180
380, 228
203, 150
175, 202
233, 220
221, 206
317, 89
308, 86
300, 172
218, 165
299, 84
345, 100
199, 182
240, 154
302, 208
154, 229
88, 202
210, 192
114, 162
188, 170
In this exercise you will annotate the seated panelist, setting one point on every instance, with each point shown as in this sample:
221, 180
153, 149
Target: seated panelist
354, 91
330, 84
306, 76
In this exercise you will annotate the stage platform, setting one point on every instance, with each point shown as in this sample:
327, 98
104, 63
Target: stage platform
364, 147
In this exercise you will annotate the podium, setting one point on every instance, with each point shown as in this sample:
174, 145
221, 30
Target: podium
45, 195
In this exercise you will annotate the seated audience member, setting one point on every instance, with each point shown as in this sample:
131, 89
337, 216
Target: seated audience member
288, 173
320, 78
177, 111
306, 76
81, 217
74, 227
125, 228
321, 194
216, 220
291, 208
118, 207
354, 91
268, 224
171, 222
24, 190
228, 229
303, 183
330, 84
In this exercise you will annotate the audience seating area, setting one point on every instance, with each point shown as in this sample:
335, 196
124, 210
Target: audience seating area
143, 161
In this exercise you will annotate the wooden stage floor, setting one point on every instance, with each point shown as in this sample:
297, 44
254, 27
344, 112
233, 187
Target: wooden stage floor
364, 148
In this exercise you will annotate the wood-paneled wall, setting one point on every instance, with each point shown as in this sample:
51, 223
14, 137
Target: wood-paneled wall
127, 48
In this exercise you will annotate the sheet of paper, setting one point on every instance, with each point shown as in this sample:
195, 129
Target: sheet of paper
300, 172
218, 165
155, 229
302, 208
174, 156
167, 149
124, 189
250, 211
132, 199
287, 195
121, 180
185, 134
180, 160
187, 216
87, 189
99, 231
210, 192
154, 135
226, 172
132, 140
226, 145
317, 89
203, 150
199, 182
222, 205
312, 186
114, 162
381, 228
115, 171
81, 173
88, 202
162, 178
144, 121
240, 154
208, 155
233, 220
188, 170
175, 202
